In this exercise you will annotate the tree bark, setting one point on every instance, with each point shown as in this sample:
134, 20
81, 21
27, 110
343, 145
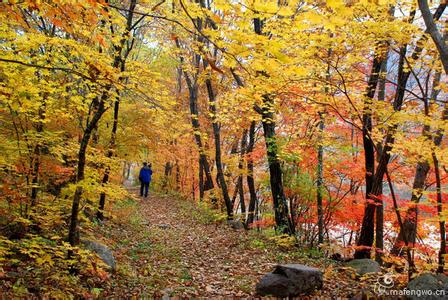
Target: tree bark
201, 180
379, 216
366, 237
282, 220
121, 60
250, 166
367, 228
100, 110
217, 137
409, 231
442, 230
431, 28
250, 176
240, 185
319, 184
36, 154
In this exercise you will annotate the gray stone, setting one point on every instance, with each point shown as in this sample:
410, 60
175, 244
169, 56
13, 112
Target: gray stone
102, 251
166, 293
290, 280
164, 226
364, 266
235, 224
422, 284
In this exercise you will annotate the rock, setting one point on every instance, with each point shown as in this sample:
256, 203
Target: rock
164, 226
423, 284
235, 224
364, 266
339, 257
362, 295
102, 251
290, 280
166, 293
14, 230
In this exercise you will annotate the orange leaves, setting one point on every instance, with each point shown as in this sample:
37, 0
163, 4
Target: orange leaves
213, 65
266, 222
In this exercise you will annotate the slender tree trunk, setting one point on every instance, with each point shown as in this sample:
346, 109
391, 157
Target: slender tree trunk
178, 175
120, 61
250, 176
431, 28
72, 236
411, 265
442, 230
37, 151
201, 180
379, 216
250, 166
73, 229
92, 124
240, 185
109, 154
319, 184
193, 96
217, 136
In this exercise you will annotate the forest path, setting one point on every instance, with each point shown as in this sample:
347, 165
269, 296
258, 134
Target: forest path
170, 247
178, 250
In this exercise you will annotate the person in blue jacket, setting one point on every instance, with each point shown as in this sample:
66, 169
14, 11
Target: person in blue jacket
145, 178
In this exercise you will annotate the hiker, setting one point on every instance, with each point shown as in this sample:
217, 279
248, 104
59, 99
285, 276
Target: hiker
145, 178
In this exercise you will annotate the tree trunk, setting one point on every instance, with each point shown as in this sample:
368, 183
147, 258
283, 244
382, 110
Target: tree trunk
379, 216
119, 60
250, 176
72, 237
431, 28
178, 175
282, 220
193, 96
250, 166
37, 152
409, 231
109, 154
367, 228
166, 176
240, 185
101, 109
319, 184
201, 180
442, 251
217, 136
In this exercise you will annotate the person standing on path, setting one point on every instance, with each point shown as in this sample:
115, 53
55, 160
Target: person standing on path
145, 178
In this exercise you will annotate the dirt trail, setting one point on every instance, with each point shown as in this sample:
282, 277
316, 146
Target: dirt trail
212, 259
167, 247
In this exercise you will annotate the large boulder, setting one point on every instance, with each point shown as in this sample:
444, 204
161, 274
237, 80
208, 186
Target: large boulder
364, 266
290, 280
429, 286
102, 251
235, 224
